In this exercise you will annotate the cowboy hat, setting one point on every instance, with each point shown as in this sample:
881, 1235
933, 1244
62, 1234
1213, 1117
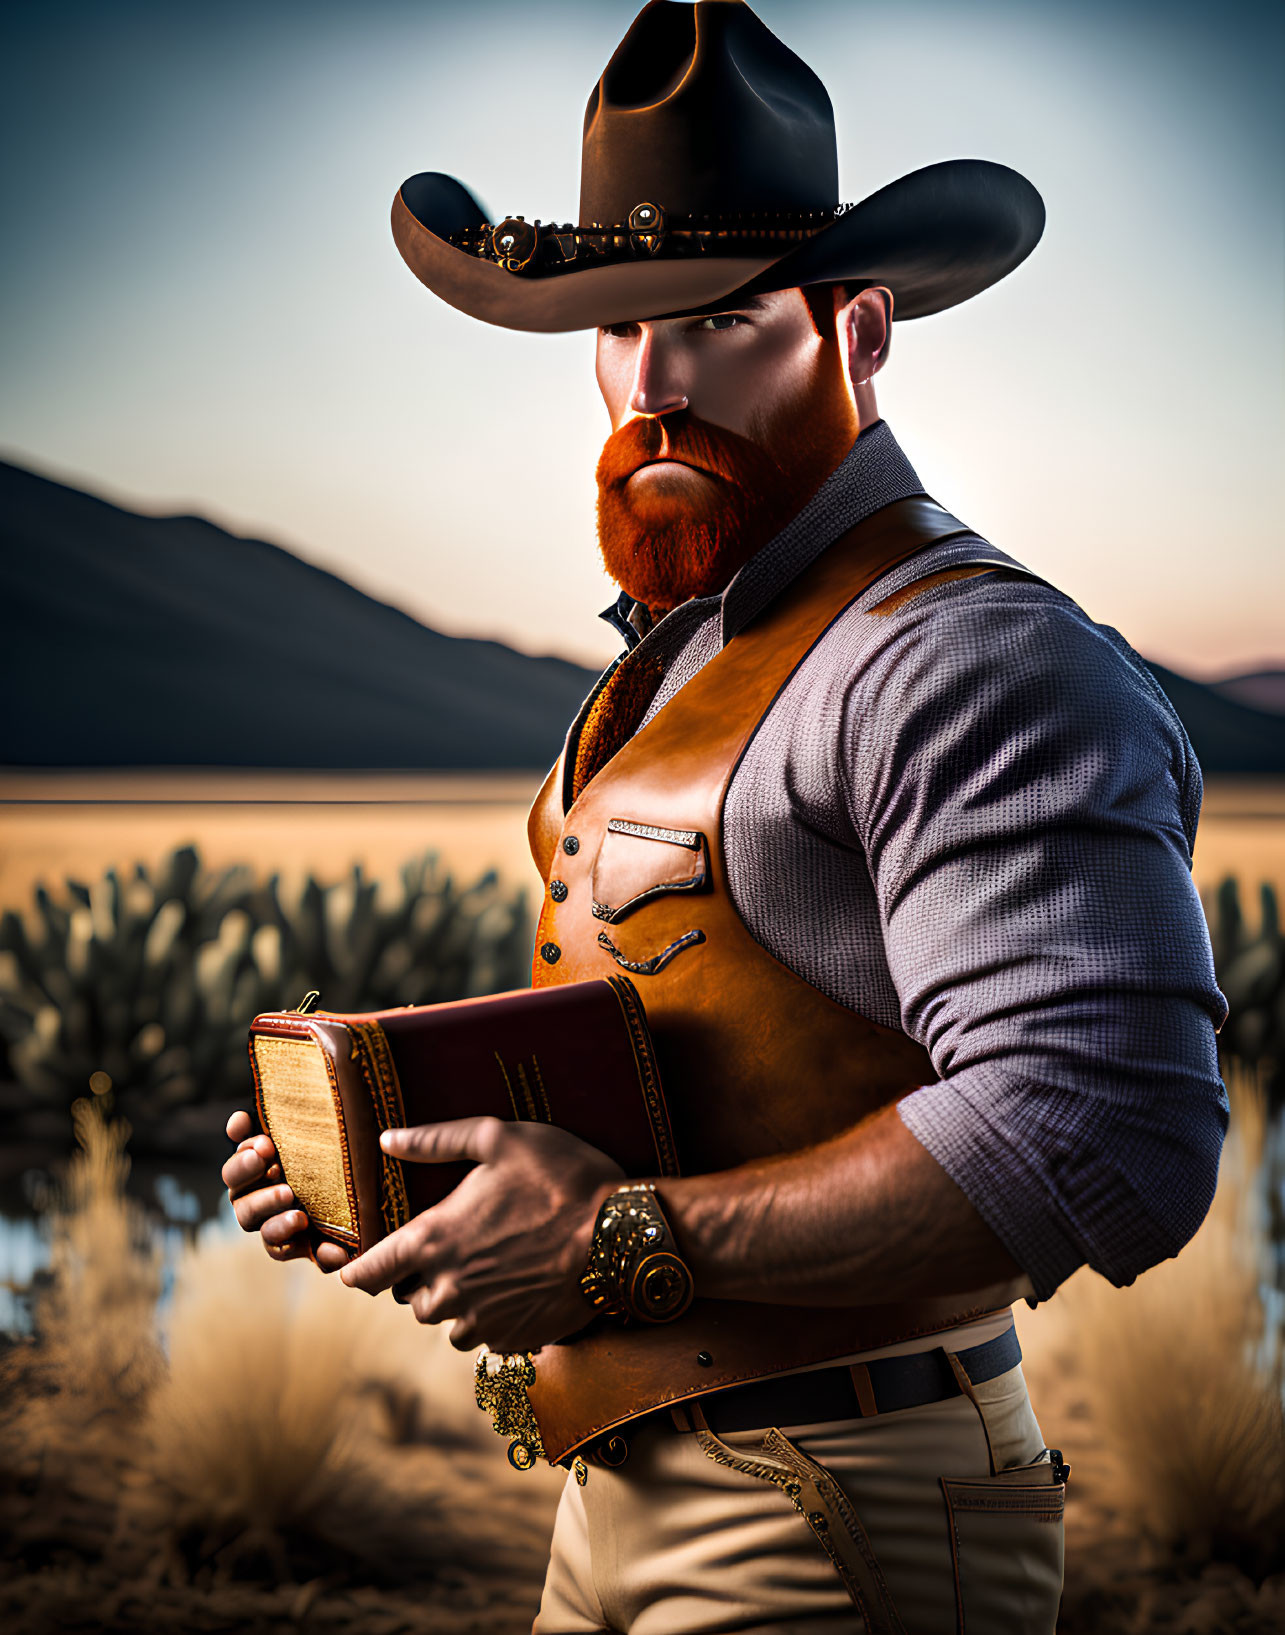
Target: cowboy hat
709, 172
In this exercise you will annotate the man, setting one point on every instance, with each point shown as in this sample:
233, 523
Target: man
895, 843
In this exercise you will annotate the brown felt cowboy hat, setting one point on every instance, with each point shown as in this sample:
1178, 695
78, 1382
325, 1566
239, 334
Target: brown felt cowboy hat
709, 171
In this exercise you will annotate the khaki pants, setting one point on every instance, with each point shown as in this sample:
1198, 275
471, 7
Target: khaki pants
919, 1522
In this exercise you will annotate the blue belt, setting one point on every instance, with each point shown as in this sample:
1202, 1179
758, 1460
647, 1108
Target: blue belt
854, 1392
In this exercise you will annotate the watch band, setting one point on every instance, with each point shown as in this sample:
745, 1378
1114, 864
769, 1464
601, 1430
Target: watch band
634, 1272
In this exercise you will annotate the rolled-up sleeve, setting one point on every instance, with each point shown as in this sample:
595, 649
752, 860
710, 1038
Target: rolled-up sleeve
1027, 801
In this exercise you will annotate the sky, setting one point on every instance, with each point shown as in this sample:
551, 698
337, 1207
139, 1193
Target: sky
204, 310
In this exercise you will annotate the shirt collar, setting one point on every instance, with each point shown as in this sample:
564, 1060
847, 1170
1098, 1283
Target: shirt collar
629, 618
872, 474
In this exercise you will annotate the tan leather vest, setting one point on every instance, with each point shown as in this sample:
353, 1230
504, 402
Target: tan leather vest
753, 1059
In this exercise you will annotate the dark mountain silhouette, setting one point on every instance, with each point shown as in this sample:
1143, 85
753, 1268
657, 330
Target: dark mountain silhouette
1227, 736
164, 641
1260, 689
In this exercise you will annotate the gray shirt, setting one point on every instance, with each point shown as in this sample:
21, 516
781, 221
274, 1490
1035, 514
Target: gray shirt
973, 819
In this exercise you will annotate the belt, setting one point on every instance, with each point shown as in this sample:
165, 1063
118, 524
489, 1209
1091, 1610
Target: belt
859, 1390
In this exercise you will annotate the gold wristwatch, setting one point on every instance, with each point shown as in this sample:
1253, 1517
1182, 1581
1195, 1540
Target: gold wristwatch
634, 1272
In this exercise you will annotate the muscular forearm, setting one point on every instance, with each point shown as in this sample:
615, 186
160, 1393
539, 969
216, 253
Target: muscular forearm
867, 1217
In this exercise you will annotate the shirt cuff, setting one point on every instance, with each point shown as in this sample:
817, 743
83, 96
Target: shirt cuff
1008, 1196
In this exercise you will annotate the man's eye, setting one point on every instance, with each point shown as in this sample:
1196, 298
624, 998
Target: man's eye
620, 331
719, 320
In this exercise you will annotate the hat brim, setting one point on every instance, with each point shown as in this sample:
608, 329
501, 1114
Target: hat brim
934, 237
430, 206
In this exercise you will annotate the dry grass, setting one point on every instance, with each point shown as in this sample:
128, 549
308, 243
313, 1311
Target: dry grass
1167, 1398
306, 1458
304, 1455
299, 1418
96, 1313
70, 1402
251, 1438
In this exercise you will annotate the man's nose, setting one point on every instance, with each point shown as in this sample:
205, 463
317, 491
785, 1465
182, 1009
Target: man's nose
658, 387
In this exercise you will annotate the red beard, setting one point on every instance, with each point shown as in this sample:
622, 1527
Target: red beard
663, 548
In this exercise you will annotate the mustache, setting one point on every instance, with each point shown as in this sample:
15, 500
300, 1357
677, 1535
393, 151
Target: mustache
682, 436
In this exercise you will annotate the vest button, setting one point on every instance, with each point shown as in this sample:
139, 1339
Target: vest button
550, 953
558, 890
571, 845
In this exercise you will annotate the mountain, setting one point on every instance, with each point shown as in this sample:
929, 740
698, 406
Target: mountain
1227, 736
165, 641
1260, 689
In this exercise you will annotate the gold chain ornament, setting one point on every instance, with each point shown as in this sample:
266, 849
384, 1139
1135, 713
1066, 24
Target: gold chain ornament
500, 1383
634, 1274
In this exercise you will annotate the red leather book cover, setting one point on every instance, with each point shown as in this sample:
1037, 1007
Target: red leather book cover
578, 1056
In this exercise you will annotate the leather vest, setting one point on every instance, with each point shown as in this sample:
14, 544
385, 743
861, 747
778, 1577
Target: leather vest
753, 1059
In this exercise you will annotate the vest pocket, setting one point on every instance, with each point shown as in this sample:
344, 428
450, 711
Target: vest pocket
638, 862
1006, 1542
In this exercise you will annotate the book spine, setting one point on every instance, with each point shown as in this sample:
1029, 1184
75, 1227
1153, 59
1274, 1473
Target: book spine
648, 1077
379, 1072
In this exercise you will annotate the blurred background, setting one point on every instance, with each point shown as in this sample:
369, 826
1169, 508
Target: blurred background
300, 589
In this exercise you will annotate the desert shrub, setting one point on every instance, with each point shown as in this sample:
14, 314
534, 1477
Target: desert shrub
272, 1444
72, 1401
1250, 962
153, 980
1177, 1382
1251, 973
97, 1305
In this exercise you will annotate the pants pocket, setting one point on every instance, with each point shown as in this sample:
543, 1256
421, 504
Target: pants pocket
826, 1508
1006, 1542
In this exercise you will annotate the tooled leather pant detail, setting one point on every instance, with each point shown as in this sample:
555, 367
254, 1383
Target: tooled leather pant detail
825, 1507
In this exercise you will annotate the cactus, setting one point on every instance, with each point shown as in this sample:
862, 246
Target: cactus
153, 979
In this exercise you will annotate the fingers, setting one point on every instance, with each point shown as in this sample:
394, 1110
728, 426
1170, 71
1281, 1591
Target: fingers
254, 1162
463, 1336
329, 1256
281, 1226
264, 1203
274, 1168
434, 1302
296, 1249
239, 1126
255, 1209
405, 1251
475, 1138
438, 1303
405, 1287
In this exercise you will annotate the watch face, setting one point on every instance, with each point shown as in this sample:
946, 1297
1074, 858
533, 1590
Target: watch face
662, 1288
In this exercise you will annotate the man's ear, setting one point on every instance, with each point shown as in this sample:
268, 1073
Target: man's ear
865, 326
884, 350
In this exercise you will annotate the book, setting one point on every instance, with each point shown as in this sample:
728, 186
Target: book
326, 1084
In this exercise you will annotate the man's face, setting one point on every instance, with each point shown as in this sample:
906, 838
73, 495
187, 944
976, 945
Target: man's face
722, 427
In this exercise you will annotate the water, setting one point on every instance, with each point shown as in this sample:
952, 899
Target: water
183, 1208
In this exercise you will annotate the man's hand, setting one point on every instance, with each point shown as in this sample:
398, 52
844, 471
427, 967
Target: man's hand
264, 1203
502, 1254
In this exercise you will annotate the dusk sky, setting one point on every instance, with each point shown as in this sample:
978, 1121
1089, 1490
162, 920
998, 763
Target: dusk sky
205, 310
